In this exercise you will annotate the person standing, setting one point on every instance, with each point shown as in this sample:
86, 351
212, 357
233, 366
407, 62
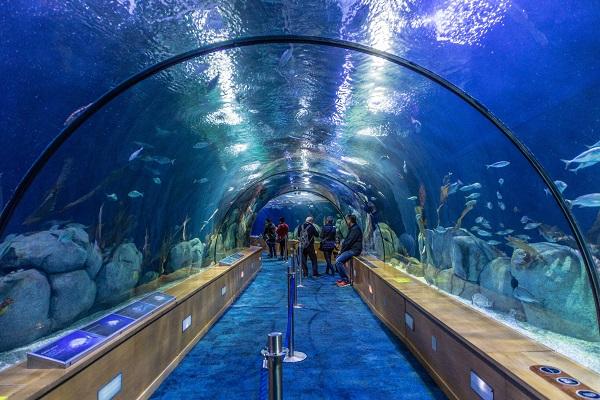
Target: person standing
328, 235
306, 240
269, 236
351, 247
282, 237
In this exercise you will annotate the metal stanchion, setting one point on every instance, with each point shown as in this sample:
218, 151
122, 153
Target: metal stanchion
299, 263
274, 355
292, 355
294, 268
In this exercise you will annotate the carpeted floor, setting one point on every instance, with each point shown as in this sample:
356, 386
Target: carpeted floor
351, 355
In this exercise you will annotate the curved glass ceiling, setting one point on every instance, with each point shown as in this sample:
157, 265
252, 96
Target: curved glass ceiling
198, 149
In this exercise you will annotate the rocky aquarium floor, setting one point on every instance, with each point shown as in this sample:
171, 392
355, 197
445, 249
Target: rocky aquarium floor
351, 355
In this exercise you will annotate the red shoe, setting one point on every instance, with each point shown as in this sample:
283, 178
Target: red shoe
343, 284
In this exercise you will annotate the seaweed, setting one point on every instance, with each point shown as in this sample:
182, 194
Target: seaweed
48, 205
443, 198
468, 207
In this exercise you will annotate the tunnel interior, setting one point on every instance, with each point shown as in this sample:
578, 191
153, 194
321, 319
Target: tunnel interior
176, 168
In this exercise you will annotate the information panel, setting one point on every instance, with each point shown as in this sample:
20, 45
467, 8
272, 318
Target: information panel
231, 259
64, 351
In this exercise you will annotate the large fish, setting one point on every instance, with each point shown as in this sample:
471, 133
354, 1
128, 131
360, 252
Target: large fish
585, 159
473, 196
470, 187
587, 200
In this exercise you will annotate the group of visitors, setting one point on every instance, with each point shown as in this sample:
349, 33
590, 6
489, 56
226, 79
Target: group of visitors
276, 234
349, 247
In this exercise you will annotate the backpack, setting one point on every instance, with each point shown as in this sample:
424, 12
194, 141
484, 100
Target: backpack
303, 238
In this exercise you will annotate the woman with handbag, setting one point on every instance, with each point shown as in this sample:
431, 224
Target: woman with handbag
328, 236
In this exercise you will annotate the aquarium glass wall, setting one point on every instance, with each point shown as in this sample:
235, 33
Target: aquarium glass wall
172, 174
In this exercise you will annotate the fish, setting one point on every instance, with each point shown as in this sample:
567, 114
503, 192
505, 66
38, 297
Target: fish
524, 295
501, 225
201, 145
499, 164
404, 168
505, 232
5, 304
486, 225
529, 255
597, 144
493, 242
532, 225
112, 196
479, 220
412, 198
381, 194
523, 237
201, 180
499, 195
489, 205
586, 159
481, 232
76, 114
159, 160
135, 194
502, 205
212, 84
454, 187
157, 180
384, 157
472, 196
560, 185
471, 203
525, 219
470, 187
547, 191
587, 200
475, 228
136, 153
286, 56
501, 181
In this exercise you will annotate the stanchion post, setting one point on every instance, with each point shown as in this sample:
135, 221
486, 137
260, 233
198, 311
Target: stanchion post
292, 355
274, 355
299, 263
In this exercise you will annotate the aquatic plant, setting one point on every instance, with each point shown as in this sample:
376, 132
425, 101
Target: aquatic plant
48, 205
468, 207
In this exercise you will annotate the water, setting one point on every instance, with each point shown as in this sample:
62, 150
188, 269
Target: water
225, 133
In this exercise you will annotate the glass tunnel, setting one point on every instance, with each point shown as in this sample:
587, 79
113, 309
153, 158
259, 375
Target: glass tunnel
143, 142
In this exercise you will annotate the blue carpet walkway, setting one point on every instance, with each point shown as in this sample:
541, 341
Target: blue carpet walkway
351, 355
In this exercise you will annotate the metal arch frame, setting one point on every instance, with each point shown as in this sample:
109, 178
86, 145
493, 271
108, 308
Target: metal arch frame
62, 137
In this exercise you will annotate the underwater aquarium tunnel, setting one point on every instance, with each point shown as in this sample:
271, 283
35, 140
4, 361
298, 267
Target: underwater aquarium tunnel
137, 222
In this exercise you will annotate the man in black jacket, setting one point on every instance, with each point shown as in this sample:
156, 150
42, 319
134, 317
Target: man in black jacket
306, 240
351, 247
